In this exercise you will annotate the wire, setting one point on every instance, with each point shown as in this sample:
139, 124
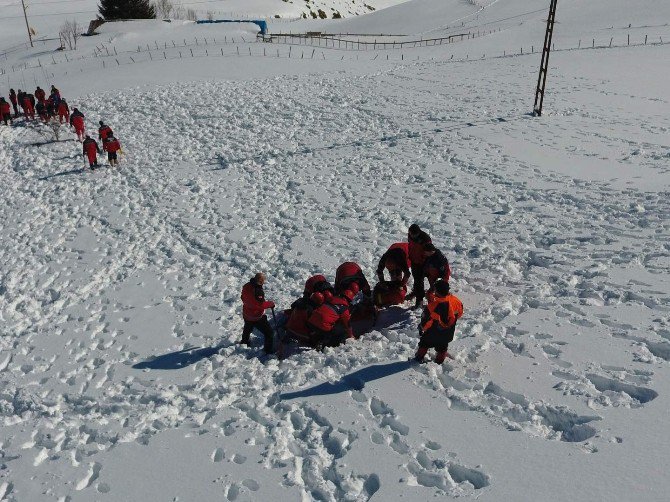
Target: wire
54, 14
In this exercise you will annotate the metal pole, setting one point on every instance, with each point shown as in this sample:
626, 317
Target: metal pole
544, 65
25, 15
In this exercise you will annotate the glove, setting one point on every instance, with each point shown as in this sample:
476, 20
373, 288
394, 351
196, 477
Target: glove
269, 305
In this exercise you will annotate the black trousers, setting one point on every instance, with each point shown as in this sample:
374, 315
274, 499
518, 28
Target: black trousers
264, 327
16, 110
437, 339
419, 289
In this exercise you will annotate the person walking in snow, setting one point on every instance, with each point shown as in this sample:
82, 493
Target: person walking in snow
55, 95
438, 323
28, 104
77, 121
5, 111
63, 112
41, 109
91, 151
417, 239
254, 305
435, 267
40, 95
13, 98
111, 145
104, 131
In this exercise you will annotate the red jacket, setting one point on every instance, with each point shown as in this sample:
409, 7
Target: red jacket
350, 272
415, 248
27, 103
301, 310
5, 109
77, 122
104, 131
63, 109
253, 301
90, 147
327, 315
40, 95
112, 145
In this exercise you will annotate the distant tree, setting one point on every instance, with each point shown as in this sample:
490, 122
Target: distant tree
126, 9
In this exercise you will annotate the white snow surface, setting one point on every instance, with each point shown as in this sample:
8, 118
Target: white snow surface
120, 378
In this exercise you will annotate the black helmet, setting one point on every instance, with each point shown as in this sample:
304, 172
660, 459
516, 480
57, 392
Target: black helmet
442, 288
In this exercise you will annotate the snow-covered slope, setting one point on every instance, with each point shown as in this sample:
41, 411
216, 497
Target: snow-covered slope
120, 378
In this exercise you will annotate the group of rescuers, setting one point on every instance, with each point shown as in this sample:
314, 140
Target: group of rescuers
54, 107
324, 313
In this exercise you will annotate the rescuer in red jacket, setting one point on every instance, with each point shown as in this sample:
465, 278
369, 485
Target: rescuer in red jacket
438, 323
28, 104
417, 239
316, 283
5, 111
253, 312
330, 321
349, 273
396, 261
40, 95
77, 121
104, 131
111, 145
91, 151
63, 111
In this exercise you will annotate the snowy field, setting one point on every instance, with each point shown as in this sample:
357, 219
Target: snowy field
120, 378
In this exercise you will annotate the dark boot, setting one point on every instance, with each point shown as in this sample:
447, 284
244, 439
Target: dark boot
420, 354
441, 356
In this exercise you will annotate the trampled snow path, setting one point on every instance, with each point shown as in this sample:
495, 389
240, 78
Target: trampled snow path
112, 278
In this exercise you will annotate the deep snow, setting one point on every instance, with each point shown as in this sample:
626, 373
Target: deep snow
117, 285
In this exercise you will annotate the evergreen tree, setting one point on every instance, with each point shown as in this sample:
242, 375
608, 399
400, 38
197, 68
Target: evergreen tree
126, 9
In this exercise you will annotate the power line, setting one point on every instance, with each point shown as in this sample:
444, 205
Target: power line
55, 14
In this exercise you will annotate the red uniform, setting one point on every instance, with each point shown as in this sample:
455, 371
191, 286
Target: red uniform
300, 312
5, 112
28, 108
112, 146
416, 246
253, 302
396, 261
91, 150
63, 112
104, 132
77, 121
348, 273
330, 316
40, 95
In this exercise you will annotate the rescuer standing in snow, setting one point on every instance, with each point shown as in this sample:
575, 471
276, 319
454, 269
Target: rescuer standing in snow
438, 323
254, 305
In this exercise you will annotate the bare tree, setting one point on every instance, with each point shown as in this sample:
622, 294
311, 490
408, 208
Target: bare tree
164, 9
69, 33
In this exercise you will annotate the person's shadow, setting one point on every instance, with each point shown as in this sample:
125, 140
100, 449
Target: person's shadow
353, 381
177, 360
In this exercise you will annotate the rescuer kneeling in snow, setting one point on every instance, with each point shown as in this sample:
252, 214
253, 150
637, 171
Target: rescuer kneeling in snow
438, 322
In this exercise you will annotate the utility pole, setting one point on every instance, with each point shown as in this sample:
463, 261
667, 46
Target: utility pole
25, 15
544, 65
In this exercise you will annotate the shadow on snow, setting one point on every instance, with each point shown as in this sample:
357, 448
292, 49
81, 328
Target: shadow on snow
353, 381
177, 360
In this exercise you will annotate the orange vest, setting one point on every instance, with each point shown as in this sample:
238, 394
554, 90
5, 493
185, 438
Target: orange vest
455, 312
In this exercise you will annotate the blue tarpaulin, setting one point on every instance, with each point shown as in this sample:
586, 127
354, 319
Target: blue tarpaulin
263, 25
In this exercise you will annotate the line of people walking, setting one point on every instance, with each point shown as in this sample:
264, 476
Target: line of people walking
325, 314
56, 107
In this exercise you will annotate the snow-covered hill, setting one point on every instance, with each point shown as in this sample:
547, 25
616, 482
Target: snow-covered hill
120, 378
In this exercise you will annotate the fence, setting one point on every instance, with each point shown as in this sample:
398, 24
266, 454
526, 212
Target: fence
171, 51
